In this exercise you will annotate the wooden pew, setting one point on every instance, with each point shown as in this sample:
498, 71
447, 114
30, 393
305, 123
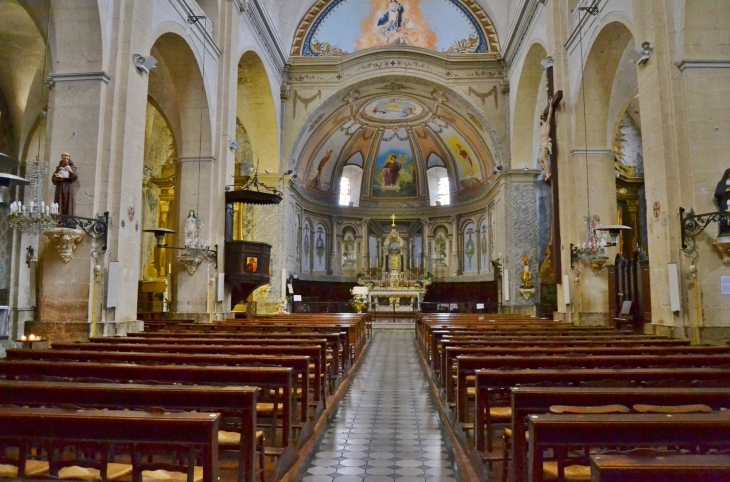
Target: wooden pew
238, 402
468, 365
298, 364
335, 342
528, 400
138, 429
660, 468
312, 351
502, 380
269, 378
710, 430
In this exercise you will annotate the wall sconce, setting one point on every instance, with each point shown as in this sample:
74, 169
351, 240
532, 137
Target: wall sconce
144, 64
234, 145
192, 255
693, 224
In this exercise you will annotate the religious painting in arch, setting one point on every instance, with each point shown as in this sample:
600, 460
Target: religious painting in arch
484, 246
349, 254
393, 109
417, 251
306, 247
469, 168
320, 248
394, 172
346, 26
470, 248
440, 247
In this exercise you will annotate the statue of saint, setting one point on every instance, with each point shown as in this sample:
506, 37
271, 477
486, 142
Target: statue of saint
192, 230
722, 198
546, 145
526, 277
63, 178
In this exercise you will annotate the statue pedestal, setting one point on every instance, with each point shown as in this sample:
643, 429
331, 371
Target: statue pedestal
65, 241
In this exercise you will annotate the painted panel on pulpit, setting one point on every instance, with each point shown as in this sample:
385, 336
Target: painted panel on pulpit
306, 246
346, 26
394, 172
470, 248
484, 246
320, 247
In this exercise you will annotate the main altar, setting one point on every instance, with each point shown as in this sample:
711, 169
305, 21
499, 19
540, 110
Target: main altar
395, 290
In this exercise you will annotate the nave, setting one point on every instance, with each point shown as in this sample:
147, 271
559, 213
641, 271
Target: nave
386, 427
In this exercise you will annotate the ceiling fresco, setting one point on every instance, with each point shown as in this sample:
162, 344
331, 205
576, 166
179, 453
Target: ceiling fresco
342, 27
394, 135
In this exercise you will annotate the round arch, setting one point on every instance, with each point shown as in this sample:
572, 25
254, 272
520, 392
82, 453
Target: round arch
599, 73
178, 88
523, 124
256, 110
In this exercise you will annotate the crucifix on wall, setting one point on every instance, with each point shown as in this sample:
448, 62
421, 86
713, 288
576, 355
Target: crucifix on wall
551, 269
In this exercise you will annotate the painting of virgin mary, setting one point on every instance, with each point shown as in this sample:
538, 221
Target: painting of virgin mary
391, 23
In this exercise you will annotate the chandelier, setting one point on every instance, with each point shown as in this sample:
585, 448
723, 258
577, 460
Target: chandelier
35, 216
195, 251
593, 250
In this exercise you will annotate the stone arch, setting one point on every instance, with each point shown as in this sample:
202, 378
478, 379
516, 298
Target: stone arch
524, 124
257, 112
178, 87
78, 44
599, 73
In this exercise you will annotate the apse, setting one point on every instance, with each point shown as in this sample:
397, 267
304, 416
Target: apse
381, 141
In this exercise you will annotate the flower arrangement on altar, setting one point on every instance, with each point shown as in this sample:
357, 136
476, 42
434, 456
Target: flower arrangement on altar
359, 302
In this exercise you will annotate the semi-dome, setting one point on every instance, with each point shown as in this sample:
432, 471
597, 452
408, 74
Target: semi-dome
395, 133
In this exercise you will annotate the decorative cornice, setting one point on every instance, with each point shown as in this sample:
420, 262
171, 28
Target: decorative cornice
526, 13
79, 77
593, 152
258, 17
703, 64
196, 159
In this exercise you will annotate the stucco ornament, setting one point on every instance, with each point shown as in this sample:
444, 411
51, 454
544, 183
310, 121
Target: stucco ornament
65, 240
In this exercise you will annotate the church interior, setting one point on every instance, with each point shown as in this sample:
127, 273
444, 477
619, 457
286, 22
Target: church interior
364, 240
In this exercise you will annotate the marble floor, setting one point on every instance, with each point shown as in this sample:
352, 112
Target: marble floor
386, 427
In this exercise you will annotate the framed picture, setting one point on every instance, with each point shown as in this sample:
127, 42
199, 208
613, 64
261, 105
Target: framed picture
252, 264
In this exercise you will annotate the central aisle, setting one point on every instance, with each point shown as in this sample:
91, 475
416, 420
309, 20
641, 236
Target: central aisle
386, 427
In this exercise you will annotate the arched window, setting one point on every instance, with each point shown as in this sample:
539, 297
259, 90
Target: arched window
350, 186
438, 186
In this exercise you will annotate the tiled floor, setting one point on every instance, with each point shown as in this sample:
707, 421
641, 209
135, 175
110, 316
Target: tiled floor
386, 427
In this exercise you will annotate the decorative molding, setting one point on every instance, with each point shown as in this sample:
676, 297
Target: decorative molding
78, 77
65, 240
259, 19
191, 264
305, 100
702, 64
526, 13
483, 95
196, 159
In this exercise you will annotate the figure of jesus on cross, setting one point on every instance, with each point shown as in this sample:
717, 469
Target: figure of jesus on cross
546, 143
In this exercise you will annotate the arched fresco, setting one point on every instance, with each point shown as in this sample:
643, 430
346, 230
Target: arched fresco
340, 27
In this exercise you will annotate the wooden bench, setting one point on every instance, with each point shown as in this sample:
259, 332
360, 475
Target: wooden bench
139, 430
313, 352
271, 379
550, 431
664, 468
528, 400
237, 402
298, 364
502, 380
468, 365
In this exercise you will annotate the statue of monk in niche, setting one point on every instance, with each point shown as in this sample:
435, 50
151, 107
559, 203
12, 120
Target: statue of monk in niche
64, 178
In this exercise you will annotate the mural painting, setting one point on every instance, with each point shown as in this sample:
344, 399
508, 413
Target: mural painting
393, 109
320, 248
470, 248
439, 25
483, 247
306, 247
467, 164
349, 256
394, 174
